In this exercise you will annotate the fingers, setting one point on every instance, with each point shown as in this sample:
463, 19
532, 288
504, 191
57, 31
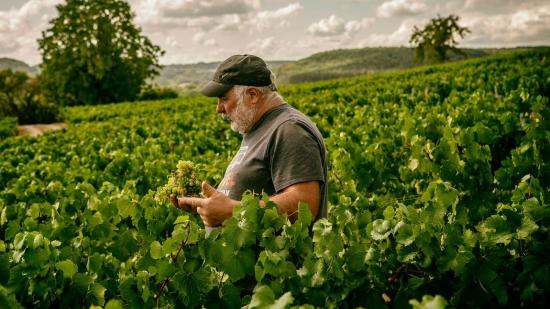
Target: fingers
207, 189
174, 200
193, 202
204, 216
189, 204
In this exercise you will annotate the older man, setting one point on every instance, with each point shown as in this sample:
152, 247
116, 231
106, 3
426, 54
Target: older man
282, 152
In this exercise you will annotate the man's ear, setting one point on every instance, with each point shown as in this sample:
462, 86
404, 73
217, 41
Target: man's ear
255, 94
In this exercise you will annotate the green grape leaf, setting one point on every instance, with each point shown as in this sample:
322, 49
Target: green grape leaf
527, 228
182, 219
126, 208
129, 292
406, 234
380, 229
263, 297
124, 245
38, 241
304, 214
231, 296
114, 304
283, 302
429, 302
68, 267
82, 282
413, 164
98, 294
156, 250
95, 262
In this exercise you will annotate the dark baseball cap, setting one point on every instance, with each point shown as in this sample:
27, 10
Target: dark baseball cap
246, 70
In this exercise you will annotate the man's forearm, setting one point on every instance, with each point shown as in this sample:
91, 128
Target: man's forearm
289, 199
216, 207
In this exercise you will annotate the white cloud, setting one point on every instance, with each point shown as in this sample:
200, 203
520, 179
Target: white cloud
501, 4
401, 8
268, 19
358, 25
18, 20
233, 22
7, 45
262, 47
331, 26
21, 27
335, 26
400, 37
227, 15
525, 26
198, 8
202, 39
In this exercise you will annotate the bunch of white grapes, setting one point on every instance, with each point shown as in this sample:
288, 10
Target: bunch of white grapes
184, 181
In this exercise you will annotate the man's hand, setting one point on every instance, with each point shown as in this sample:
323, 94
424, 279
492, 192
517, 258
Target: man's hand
214, 208
178, 204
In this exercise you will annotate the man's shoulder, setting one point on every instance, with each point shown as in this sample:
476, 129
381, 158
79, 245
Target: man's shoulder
292, 117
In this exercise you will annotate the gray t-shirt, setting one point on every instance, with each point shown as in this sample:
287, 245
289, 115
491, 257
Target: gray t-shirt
283, 148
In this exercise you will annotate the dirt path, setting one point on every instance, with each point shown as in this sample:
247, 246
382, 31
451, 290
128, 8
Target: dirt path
38, 129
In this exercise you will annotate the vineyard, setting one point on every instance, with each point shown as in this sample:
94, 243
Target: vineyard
439, 195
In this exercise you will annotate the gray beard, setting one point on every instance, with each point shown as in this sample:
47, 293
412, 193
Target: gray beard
243, 118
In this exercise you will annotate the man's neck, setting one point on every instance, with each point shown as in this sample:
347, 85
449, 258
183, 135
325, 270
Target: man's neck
270, 103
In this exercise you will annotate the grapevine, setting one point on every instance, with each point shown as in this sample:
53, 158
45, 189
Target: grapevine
439, 184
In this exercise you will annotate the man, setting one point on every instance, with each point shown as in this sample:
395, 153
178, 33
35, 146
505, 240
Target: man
282, 152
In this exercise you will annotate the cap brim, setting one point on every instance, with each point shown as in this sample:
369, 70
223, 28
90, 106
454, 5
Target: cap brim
215, 89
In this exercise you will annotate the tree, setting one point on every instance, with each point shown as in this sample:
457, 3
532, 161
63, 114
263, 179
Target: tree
21, 96
93, 54
437, 38
12, 87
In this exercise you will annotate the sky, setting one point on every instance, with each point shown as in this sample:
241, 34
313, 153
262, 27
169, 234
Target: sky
191, 31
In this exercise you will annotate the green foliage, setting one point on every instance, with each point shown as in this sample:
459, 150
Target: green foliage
437, 38
150, 92
22, 97
8, 300
93, 54
438, 186
8, 126
429, 302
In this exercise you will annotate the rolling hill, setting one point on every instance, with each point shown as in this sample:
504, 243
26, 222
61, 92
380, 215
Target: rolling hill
320, 66
17, 65
352, 62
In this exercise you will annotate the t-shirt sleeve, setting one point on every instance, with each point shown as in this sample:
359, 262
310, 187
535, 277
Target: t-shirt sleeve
294, 156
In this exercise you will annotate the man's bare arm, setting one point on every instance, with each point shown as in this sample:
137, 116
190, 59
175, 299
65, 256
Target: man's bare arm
216, 207
289, 198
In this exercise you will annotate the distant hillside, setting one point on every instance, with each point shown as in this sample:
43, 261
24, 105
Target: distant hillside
190, 77
326, 65
16, 65
350, 62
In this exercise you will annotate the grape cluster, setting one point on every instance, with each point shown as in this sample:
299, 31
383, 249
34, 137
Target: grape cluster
184, 181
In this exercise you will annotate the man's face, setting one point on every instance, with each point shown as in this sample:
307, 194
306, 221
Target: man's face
237, 110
